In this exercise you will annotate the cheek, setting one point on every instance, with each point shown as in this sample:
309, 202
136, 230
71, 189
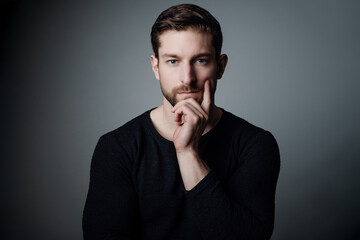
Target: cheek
208, 74
167, 79
168, 73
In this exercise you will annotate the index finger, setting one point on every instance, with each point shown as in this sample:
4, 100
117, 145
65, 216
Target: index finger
205, 104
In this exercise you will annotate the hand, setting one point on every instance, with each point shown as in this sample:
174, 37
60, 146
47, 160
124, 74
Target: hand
192, 119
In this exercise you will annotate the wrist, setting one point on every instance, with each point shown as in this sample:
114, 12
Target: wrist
187, 152
193, 169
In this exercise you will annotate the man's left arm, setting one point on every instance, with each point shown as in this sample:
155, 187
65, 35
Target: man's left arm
192, 120
243, 207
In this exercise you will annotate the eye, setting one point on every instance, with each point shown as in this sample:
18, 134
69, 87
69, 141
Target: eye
202, 61
172, 61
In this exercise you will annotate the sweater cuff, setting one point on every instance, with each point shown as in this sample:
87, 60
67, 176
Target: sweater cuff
209, 182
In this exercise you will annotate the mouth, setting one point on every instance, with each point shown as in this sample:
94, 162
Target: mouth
188, 93
184, 92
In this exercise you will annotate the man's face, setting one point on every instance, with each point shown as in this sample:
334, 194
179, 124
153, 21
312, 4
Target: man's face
186, 60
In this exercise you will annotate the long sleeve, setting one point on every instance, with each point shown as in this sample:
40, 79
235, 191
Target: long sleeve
136, 191
243, 207
111, 210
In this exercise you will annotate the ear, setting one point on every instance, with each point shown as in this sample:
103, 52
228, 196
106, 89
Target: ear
155, 66
223, 59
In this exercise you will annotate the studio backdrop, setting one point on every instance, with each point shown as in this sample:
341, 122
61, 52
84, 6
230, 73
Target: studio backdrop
74, 70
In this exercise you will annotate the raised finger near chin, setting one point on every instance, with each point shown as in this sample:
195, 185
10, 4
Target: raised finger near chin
206, 102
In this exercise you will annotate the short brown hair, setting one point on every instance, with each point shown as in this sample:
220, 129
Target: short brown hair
183, 16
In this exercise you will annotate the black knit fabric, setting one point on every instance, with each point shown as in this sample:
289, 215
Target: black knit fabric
136, 190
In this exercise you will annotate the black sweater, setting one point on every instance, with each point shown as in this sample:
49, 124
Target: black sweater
136, 190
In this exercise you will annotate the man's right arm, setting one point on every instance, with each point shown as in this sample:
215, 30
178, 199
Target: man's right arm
111, 206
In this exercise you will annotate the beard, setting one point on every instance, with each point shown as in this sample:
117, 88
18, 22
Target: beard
171, 96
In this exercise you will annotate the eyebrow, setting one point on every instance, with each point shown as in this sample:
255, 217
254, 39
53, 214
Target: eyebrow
167, 55
209, 55
170, 55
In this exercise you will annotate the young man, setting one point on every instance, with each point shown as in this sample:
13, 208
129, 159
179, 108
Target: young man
186, 169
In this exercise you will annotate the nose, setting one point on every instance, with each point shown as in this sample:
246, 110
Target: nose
188, 74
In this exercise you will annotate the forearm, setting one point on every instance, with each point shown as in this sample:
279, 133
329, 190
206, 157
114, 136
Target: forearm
219, 216
192, 168
240, 205
216, 215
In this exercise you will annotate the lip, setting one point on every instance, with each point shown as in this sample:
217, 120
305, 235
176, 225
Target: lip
188, 93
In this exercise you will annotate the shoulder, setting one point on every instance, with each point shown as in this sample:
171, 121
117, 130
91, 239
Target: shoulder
247, 134
131, 128
127, 136
241, 126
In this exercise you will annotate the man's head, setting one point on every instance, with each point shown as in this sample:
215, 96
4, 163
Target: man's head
187, 43
182, 17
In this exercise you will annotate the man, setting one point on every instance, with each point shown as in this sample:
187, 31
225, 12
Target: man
186, 169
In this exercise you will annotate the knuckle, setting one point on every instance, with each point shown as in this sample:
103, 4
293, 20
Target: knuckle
195, 119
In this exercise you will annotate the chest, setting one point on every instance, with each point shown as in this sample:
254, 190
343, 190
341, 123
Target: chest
161, 193
156, 169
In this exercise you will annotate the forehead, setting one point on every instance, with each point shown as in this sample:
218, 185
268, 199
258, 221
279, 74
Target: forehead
185, 42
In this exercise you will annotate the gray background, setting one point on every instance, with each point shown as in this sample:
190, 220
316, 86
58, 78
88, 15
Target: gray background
72, 71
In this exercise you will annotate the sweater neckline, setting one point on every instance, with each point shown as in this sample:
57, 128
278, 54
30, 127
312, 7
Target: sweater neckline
151, 128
